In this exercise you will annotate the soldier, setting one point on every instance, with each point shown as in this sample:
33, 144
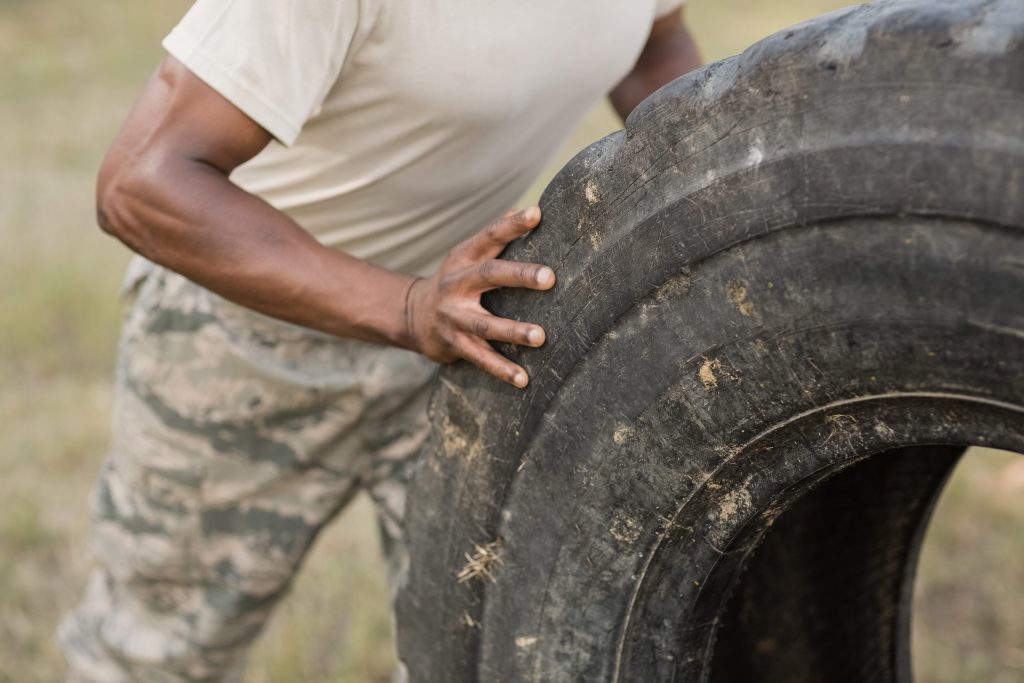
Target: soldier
304, 183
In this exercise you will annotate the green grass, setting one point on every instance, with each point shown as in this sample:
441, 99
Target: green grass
70, 72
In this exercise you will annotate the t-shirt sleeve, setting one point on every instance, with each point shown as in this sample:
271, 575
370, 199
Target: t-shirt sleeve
663, 7
273, 59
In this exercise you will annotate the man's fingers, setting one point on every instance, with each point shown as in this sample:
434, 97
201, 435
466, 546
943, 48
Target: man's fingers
480, 354
493, 328
473, 268
496, 273
490, 241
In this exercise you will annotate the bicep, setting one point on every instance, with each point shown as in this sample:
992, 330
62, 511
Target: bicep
666, 23
179, 117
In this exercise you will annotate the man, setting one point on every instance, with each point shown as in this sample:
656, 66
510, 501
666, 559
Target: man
304, 180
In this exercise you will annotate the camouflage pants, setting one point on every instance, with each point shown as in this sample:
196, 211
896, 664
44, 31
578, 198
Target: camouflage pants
236, 439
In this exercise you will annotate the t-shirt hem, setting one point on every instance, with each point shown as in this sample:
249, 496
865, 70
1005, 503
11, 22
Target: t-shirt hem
239, 93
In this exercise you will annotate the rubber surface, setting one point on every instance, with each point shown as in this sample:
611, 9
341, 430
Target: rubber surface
789, 293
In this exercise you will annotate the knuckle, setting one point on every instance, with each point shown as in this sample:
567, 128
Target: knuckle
488, 271
481, 327
449, 322
493, 232
444, 312
449, 282
501, 369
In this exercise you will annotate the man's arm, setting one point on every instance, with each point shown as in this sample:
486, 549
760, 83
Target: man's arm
163, 190
669, 53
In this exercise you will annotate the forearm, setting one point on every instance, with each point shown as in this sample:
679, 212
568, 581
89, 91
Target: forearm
189, 217
669, 54
164, 190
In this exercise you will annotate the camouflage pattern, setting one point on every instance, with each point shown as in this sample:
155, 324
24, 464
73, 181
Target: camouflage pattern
236, 438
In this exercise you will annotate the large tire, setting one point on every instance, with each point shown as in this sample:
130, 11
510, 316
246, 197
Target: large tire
791, 290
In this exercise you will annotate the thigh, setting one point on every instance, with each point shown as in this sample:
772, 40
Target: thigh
250, 424
236, 438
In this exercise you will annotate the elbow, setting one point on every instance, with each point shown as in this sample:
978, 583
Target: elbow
122, 193
113, 198
105, 212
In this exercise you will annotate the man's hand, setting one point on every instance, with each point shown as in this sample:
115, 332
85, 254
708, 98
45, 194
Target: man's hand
444, 315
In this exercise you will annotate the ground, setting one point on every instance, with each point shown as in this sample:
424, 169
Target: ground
70, 72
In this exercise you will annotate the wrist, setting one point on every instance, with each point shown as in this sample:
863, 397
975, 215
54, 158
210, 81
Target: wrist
409, 340
359, 300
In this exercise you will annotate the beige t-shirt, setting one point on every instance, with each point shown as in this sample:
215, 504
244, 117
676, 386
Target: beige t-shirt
404, 126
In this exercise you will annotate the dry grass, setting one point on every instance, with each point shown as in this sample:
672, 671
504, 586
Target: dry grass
70, 71
480, 565
969, 623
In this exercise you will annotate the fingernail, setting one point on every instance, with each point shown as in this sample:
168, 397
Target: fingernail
536, 336
545, 276
531, 213
520, 380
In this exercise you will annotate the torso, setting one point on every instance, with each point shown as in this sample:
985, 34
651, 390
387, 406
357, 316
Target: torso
441, 118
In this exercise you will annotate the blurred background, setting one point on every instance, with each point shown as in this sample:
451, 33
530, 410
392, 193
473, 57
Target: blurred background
68, 73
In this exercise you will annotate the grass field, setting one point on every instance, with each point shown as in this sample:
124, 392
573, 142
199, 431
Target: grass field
70, 71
